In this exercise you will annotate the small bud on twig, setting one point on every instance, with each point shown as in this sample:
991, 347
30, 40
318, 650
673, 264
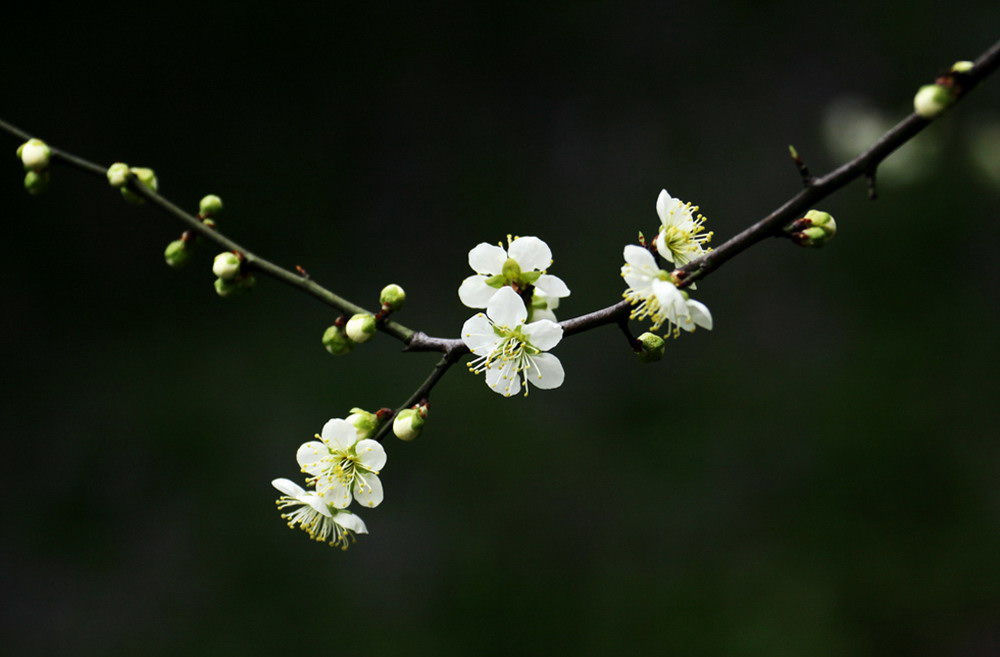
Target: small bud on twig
651, 347
392, 297
226, 265
210, 205
361, 327
177, 254
36, 182
409, 423
34, 154
815, 229
336, 341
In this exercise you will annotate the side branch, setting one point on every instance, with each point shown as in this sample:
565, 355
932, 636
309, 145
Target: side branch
423, 392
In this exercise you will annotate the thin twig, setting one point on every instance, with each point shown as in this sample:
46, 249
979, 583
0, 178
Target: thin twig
422, 393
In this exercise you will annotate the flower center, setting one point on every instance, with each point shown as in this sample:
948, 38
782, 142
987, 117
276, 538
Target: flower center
511, 355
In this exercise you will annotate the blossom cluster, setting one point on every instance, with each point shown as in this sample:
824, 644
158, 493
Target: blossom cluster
343, 464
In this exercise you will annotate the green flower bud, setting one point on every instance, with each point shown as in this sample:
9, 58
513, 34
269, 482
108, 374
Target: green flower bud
36, 182
361, 327
118, 174
408, 424
34, 154
210, 205
365, 423
226, 265
336, 341
235, 286
392, 296
933, 99
177, 253
511, 270
146, 177
824, 220
963, 66
653, 347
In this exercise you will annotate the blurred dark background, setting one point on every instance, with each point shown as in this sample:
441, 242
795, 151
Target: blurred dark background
817, 476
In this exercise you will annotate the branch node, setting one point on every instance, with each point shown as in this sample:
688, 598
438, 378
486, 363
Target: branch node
800, 164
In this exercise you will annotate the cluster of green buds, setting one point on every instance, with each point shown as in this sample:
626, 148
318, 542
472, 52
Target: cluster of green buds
649, 347
35, 155
931, 100
231, 278
120, 173
408, 424
341, 337
815, 229
178, 253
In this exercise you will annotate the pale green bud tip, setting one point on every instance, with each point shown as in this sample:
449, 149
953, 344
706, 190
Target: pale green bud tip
408, 424
336, 341
932, 99
365, 423
226, 265
210, 205
230, 288
963, 66
823, 220
35, 154
177, 253
393, 296
653, 347
361, 327
118, 174
511, 270
146, 177
36, 182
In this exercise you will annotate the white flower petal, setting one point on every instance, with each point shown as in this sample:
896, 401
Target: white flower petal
368, 490
318, 503
661, 248
546, 372
310, 455
350, 521
538, 314
552, 286
662, 201
474, 292
371, 454
335, 492
531, 253
487, 258
640, 258
506, 308
543, 334
700, 314
478, 335
501, 379
288, 487
670, 298
339, 434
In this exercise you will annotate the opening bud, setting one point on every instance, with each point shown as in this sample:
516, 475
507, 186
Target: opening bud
409, 423
392, 296
118, 174
815, 229
336, 341
932, 100
34, 154
226, 265
651, 349
177, 254
210, 205
361, 327
146, 178
365, 423
36, 182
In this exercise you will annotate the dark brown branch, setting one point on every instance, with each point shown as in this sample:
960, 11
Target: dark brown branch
423, 392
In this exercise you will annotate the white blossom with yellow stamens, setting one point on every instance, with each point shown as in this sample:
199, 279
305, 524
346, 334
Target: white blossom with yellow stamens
655, 296
510, 352
317, 516
341, 465
681, 237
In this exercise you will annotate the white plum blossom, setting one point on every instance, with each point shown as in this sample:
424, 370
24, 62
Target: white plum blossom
342, 465
680, 238
542, 306
654, 295
523, 263
316, 515
510, 352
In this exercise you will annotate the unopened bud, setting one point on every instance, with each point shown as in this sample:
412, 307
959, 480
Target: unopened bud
392, 296
824, 220
36, 182
118, 174
210, 205
34, 154
235, 286
511, 270
177, 253
226, 265
815, 229
361, 327
365, 423
146, 178
408, 424
652, 348
933, 99
336, 341
963, 66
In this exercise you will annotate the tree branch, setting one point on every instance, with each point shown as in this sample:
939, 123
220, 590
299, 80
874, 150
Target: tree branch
423, 392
